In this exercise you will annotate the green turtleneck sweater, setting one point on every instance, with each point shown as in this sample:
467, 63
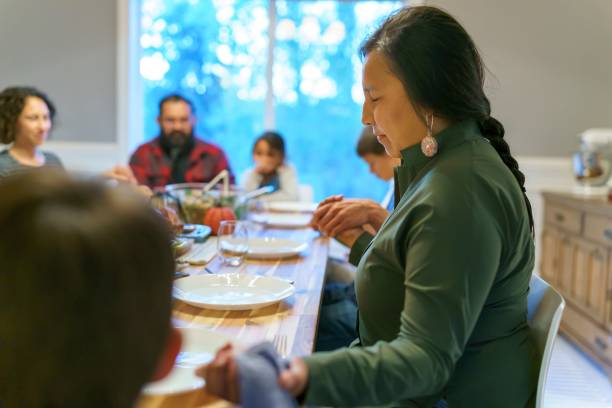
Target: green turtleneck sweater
442, 289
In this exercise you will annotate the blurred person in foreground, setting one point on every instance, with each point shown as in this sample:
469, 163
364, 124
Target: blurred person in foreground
85, 293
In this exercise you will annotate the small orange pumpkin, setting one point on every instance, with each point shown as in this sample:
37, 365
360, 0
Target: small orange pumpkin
215, 215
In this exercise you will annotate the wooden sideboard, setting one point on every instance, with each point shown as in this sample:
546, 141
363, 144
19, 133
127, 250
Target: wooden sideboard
577, 260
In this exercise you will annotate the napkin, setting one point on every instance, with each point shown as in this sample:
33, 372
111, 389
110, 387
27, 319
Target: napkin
258, 369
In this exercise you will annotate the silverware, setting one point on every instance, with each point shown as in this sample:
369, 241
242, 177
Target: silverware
280, 343
208, 270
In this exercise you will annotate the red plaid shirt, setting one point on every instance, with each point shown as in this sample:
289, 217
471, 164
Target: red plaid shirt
153, 167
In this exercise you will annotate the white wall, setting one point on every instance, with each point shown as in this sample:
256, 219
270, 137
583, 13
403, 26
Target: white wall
68, 49
84, 55
551, 67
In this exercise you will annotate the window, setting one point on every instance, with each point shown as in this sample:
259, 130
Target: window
304, 80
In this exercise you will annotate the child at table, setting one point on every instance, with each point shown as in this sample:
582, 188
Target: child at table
271, 169
85, 293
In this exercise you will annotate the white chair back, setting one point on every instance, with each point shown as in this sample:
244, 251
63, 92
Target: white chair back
544, 310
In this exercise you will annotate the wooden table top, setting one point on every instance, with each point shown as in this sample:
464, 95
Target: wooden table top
294, 319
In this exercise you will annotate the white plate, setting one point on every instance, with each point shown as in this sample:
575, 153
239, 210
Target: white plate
199, 347
291, 206
281, 220
231, 291
266, 248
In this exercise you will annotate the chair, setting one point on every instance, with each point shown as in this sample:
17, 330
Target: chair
544, 310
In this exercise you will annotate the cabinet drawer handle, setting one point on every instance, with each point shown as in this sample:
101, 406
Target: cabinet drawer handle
559, 217
608, 234
600, 343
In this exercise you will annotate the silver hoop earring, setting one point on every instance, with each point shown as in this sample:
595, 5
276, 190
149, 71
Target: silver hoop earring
429, 145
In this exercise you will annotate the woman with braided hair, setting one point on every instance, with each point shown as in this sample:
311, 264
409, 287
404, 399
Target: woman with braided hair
442, 287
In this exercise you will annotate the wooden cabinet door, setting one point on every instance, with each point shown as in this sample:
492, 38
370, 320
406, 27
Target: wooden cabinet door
598, 282
549, 263
580, 279
590, 279
566, 266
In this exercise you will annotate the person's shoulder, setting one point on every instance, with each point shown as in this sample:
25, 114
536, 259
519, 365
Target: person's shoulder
52, 159
154, 142
287, 169
287, 166
208, 147
248, 171
148, 146
5, 159
50, 155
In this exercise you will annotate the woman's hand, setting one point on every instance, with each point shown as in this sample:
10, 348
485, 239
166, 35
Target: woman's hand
335, 217
221, 375
295, 378
323, 208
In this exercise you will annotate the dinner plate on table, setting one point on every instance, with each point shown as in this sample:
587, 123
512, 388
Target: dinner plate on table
282, 220
232, 291
291, 206
274, 248
198, 348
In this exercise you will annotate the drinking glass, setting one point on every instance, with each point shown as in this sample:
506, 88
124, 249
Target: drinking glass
233, 242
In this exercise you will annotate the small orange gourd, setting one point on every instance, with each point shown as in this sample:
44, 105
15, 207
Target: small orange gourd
215, 215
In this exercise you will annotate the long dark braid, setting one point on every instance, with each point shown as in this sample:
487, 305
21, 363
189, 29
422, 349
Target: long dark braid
441, 69
494, 131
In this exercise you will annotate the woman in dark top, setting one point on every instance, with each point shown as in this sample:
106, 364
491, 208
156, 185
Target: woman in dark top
26, 118
442, 287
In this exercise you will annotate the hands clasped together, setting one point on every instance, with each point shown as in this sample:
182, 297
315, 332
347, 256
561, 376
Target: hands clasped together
344, 219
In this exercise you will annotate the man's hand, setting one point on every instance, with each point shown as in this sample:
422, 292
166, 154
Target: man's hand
221, 375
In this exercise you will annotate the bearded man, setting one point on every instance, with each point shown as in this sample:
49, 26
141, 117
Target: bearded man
177, 155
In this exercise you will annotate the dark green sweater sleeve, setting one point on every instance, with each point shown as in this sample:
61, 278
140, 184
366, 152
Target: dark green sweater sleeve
452, 256
359, 247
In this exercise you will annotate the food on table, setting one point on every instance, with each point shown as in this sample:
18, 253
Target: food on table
215, 215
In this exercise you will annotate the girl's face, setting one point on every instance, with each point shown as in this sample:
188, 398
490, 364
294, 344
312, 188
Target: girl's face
387, 107
267, 160
33, 123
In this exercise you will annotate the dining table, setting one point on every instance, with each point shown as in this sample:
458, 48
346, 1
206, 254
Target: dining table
290, 325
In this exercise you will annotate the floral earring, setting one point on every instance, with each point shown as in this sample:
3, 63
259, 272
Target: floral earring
429, 145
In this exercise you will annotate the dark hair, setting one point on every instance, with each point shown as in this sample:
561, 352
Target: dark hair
368, 144
175, 98
441, 69
85, 292
274, 140
12, 101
